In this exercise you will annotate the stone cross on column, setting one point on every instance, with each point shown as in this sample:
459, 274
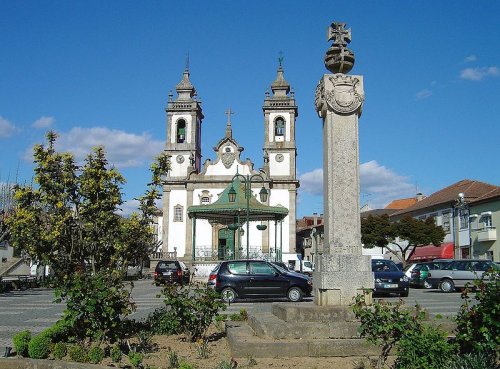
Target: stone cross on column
339, 34
342, 269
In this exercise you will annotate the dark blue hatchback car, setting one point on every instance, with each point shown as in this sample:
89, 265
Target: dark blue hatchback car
257, 278
389, 278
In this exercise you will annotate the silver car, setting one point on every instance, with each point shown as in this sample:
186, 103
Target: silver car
458, 273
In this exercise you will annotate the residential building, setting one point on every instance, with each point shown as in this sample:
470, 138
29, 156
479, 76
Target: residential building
450, 208
484, 226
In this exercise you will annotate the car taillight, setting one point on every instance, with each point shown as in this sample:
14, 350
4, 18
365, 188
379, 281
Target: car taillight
155, 274
179, 273
211, 277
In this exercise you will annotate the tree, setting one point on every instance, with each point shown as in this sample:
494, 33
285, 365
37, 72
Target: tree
69, 221
379, 231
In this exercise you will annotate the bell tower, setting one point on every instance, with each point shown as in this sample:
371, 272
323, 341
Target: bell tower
184, 118
280, 113
280, 152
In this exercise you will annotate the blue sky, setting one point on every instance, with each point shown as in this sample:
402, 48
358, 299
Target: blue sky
100, 72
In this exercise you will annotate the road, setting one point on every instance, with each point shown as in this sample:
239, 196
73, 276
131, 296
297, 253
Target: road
35, 310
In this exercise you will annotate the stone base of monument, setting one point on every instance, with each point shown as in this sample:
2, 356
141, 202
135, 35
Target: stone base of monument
339, 278
297, 329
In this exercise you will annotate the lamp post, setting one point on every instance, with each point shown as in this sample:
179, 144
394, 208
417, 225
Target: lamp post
459, 206
247, 181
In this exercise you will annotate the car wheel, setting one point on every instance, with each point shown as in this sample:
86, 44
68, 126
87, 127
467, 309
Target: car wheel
404, 294
228, 295
427, 285
295, 294
447, 285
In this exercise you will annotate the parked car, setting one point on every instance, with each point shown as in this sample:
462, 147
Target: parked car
257, 278
389, 278
171, 271
133, 271
408, 269
419, 273
457, 273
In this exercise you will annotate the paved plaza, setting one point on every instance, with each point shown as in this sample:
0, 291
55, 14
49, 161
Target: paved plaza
35, 310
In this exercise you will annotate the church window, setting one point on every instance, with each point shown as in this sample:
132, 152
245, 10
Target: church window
279, 127
181, 131
178, 212
205, 197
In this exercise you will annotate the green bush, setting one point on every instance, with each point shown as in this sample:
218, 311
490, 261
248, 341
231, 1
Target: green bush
60, 350
96, 354
477, 360
194, 308
77, 353
116, 354
58, 332
161, 321
135, 358
424, 348
39, 347
478, 324
21, 341
419, 345
96, 305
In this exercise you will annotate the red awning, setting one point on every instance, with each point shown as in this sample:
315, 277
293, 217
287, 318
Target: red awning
431, 252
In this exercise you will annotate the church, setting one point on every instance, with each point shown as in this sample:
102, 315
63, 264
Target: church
224, 208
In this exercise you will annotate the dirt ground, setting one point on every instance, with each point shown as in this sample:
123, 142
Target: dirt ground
218, 351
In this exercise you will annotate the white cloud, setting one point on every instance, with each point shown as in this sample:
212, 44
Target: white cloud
122, 149
6, 128
130, 206
43, 122
381, 184
470, 58
477, 74
423, 94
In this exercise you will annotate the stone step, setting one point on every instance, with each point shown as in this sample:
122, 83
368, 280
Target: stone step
12, 263
243, 342
268, 325
299, 312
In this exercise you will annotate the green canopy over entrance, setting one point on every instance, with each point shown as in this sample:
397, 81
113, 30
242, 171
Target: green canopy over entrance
225, 212
232, 214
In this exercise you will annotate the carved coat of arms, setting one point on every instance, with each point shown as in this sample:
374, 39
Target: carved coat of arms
228, 159
346, 96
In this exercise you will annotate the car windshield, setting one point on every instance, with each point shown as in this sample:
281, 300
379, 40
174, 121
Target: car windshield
384, 266
166, 265
280, 268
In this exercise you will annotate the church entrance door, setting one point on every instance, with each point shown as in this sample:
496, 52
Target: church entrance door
226, 244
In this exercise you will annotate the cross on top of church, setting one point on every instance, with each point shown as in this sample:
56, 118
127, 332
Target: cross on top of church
339, 34
229, 112
280, 58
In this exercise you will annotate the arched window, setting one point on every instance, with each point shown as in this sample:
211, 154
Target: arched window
181, 131
279, 127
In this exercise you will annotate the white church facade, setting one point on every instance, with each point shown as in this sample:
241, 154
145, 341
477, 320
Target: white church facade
191, 184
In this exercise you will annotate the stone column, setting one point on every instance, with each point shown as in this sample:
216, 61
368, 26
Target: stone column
342, 271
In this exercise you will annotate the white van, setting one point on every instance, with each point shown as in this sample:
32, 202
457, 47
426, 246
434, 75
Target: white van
294, 263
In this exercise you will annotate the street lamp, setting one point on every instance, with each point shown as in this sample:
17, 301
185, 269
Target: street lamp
459, 206
263, 194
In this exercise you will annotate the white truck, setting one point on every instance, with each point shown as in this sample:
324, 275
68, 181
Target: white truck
295, 262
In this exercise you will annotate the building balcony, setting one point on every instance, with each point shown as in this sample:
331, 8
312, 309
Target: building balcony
487, 234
